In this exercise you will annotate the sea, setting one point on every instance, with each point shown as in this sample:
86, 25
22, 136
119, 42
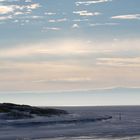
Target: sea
124, 124
82, 123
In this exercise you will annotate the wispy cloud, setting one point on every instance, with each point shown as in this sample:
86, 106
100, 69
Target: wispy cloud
72, 47
66, 80
45, 29
2, 18
50, 13
88, 2
61, 48
86, 13
103, 24
130, 16
118, 61
58, 20
70, 64
80, 20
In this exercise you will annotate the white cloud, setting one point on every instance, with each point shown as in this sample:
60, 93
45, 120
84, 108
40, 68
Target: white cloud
6, 9
80, 20
62, 20
86, 13
103, 24
66, 80
15, 11
58, 20
35, 17
131, 16
75, 26
5, 17
33, 6
90, 2
18, 13
52, 20
49, 13
45, 29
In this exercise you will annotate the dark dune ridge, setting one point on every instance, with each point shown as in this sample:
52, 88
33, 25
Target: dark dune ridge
14, 111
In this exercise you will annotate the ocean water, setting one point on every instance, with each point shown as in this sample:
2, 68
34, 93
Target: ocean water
91, 138
124, 125
80, 124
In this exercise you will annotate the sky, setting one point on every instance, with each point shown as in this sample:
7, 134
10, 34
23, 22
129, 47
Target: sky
51, 46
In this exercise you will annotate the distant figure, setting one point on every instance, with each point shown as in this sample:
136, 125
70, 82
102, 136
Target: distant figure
120, 116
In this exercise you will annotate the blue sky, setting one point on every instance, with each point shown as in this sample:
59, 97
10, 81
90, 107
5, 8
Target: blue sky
69, 45
32, 21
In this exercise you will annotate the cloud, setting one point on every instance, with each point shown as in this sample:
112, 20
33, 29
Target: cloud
86, 13
18, 13
66, 80
73, 47
90, 2
58, 20
34, 17
28, 7
32, 6
56, 48
2, 18
14, 11
49, 13
45, 29
66, 64
80, 20
75, 26
123, 62
131, 16
6, 9
103, 24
